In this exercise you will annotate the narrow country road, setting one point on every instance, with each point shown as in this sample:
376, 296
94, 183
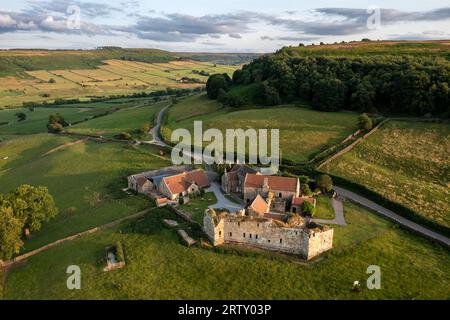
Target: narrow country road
392, 215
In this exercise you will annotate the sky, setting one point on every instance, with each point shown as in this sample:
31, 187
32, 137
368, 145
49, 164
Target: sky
215, 26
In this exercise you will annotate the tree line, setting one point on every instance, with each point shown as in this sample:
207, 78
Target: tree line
395, 85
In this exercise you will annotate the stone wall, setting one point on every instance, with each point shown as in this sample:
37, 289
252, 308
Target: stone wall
319, 242
263, 233
266, 234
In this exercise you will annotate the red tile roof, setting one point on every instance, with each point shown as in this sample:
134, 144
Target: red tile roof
275, 182
181, 182
259, 205
298, 201
160, 201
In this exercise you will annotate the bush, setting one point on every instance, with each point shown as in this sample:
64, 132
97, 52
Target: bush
21, 116
54, 127
123, 136
308, 208
233, 101
365, 123
324, 183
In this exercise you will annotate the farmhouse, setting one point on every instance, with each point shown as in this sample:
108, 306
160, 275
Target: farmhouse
183, 184
169, 184
295, 235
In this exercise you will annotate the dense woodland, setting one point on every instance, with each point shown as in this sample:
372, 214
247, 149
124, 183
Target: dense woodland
408, 85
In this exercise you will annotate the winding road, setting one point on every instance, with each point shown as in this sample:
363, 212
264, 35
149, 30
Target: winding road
339, 219
392, 215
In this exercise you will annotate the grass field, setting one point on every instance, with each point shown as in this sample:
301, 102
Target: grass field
160, 266
111, 76
126, 120
85, 179
190, 107
406, 162
303, 132
196, 207
324, 209
36, 121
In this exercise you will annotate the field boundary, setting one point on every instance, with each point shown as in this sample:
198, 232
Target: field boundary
352, 145
23, 257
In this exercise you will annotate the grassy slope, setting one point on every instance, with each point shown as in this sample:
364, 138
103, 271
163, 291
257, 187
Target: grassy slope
159, 266
193, 106
121, 121
408, 163
303, 131
73, 175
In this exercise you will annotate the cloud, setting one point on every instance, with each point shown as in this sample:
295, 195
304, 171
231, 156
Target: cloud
88, 9
50, 16
347, 21
235, 36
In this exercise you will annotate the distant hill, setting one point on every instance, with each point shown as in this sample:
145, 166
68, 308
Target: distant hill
15, 62
370, 48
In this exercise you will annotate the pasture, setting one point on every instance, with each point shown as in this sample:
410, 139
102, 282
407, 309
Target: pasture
160, 266
111, 77
128, 120
85, 179
36, 119
406, 162
303, 132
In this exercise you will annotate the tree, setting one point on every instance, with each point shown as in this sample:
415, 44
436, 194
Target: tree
329, 94
268, 94
21, 116
305, 189
10, 231
324, 183
33, 206
308, 208
145, 128
365, 122
215, 83
56, 123
54, 127
51, 80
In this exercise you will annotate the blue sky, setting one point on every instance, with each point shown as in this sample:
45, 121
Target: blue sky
215, 26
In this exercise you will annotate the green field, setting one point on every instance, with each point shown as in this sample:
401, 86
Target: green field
85, 179
196, 207
406, 162
191, 107
303, 132
324, 209
126, 120
160, 266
